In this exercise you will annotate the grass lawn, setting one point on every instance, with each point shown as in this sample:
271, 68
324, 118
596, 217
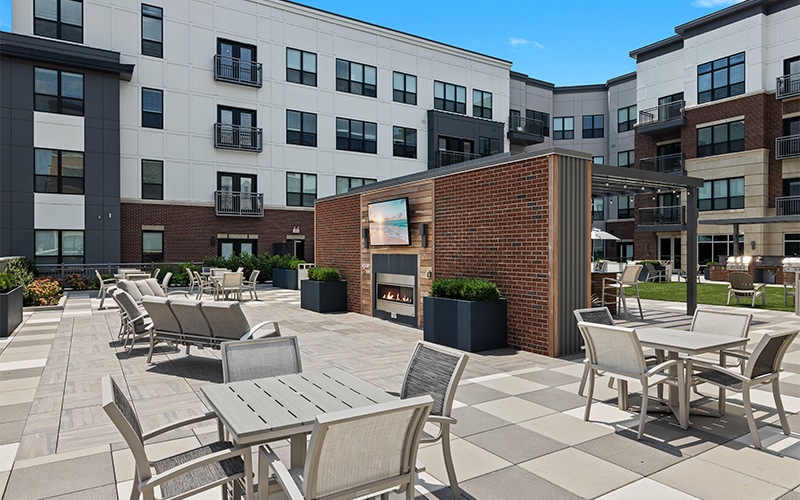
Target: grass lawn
713, 294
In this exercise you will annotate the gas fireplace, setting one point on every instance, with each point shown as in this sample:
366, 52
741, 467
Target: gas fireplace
394, 293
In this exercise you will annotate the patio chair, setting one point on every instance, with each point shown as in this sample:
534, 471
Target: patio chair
741, 285
165, 282
628, 281
789, 291
137, 276
183, 474
155, 272
260, 358
355, 453
250, 284
194, 281
205, 285
763, 367
166, 326
231, 283
137, 324
683, 274
228, 322
153, 286
131, 288
734, 324
195, 327
106, 285
617, 351
436, 372
240, 270
654, 274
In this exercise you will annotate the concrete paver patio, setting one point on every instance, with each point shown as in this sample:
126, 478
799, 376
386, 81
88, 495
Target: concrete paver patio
520, 433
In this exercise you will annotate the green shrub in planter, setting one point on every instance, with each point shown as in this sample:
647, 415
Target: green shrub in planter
465, 289
7, 282
326, 274
323, 291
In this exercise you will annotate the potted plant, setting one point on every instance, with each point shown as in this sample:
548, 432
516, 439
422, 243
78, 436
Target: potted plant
323, 291
10, 303
467, 314
284, 271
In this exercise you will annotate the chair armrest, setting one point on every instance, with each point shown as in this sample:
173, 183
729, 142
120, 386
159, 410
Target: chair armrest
760, 287
717, 368
181, 423
281, 472
253, 330
185, 467
440, 419
613, 281
393, 393
661, 366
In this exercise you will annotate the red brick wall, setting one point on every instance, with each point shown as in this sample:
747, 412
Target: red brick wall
494, 223
338, 238
188, 229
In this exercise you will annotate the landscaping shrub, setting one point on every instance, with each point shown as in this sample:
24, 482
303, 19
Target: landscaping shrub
324, 274
465, 289
42, 291
78, 281
7, 282
286, 261
21, 271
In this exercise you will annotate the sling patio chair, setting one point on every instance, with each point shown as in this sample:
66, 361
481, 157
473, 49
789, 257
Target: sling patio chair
166, 326
763, 367
628, 281
228, 322
734, 324
654, 274
137, 322
260, 358
155, 273
231, 284
106, 285
165, 282
354, 453
184, 474
741, 285
250, 284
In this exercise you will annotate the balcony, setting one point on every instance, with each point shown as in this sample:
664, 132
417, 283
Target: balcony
239, 137
787, 147
788, 86
674, 216
661, 119
239, 204
787, 205
666, 164
235, 70
525, 131
445, 157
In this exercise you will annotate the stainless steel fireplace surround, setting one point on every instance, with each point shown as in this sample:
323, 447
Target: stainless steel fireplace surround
395, 293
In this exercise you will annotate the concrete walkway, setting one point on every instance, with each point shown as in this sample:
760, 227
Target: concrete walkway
520, 432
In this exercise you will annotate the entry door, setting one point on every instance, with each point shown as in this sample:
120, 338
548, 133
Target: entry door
229, 247
237, 127
669, 248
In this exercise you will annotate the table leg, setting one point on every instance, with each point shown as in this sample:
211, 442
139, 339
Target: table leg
298, 450
677, 394
622, 394
685, 383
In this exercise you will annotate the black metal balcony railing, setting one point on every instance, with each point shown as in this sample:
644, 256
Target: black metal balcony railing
787, 205
239, 203
228, 136
666, 164
525, 125
787, 147
235, 70
445, 157
662, 216
660, 114
787, 86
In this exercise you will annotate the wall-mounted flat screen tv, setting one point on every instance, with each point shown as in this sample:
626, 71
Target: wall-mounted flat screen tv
388, 223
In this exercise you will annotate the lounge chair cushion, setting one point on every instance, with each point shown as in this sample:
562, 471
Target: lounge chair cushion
226, 319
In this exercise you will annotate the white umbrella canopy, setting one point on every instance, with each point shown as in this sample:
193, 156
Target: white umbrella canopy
598, 234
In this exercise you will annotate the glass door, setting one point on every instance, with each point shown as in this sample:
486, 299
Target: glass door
237, 192
669, 248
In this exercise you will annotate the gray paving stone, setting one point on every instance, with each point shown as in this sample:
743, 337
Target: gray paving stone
472, 394
471, 421
549, 377
513, 483
61, 477
23, 373
108, 491
643, 457
557, 399
11, 432
12, 413
515, 444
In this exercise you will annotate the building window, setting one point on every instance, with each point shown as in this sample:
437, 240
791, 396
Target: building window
152, 31
345, 184
301, 128
542, 117
355, 135
301, 189
405, 142
58, 92
449, 97
716, 247
152, 180
625, 158
722, 194
152, 246
228, 247
61, 19
482, 104
356, 78
598, 209
237, 62
625, 250
301, 67
625, 207
54, 246
58, 171
721, 78
598, 160
152, 108
720, 139
563, 128
791, 186
791, 244
404, 88
626, 118
488, 146
593, 126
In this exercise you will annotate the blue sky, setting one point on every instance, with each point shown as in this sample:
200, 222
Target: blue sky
567, 43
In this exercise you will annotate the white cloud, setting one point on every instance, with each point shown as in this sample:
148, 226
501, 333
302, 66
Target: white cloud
713, 4
520, 42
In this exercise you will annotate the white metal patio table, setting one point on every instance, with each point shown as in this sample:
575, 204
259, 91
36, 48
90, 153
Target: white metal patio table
675, 341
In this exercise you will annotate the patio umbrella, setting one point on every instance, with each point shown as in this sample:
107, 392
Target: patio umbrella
598, 234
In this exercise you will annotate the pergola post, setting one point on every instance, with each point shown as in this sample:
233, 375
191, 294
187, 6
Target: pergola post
691, 250
735, 240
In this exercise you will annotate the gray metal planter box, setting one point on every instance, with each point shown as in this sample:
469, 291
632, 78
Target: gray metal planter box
10, 311
285, 278
323, 296
466, 325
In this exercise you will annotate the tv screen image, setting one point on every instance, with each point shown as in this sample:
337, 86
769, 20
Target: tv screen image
388, 222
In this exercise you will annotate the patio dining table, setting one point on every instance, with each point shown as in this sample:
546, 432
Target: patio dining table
675, 342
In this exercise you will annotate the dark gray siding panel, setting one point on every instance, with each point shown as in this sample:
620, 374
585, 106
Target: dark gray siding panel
461, 126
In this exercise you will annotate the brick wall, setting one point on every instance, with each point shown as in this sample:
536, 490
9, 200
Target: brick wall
338, 238
188, 230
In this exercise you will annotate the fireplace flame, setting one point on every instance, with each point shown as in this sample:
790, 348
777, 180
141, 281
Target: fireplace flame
396, 297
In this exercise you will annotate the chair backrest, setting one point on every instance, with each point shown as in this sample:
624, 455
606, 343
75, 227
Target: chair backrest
164, 319
155, 272
734, 324
434, 372
240, 270
143, 286
631, 274
231, 280
651, 269
768, 354
613, 349
165, 281
226, 319
155, 288
137, 276
99, 278
124, 417
599, 315
131, 289
259, 358
205, 269
218, 271
741, 281
364, 450
190, 316
133, 314
254, 277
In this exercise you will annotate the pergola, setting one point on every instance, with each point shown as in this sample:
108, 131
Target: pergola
740, 221
620, 181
